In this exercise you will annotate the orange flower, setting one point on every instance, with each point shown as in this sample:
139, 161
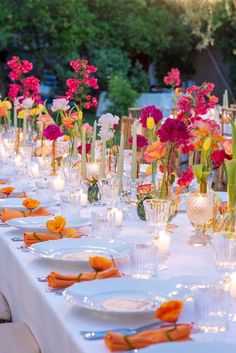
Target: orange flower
68, 123
179, 191
30, 204
3, 112
156, 151
170, 311
100, 263
145, 189
223, 208
56, 225
7, 191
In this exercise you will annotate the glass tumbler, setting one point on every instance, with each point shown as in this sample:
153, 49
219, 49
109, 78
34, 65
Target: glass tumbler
144, 259
224, 246
103, 224
157, 214
70, 205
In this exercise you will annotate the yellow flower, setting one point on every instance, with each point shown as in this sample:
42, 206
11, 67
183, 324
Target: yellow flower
56, 225
148, 170
30, 204
35, 111
23, 113
207, 144
150, 122
42, 108
80, 113
6, 104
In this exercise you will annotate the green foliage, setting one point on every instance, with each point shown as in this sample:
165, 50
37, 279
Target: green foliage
138, 78
121, 95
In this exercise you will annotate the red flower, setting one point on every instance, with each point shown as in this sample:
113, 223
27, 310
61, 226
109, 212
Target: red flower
150, 111
52, 132
174, 131
218, 157
88, 148
141, 141
172, 78
186, 178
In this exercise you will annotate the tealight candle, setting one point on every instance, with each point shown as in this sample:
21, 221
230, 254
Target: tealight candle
58, 184
232, 289
83, 199
17, 160
118, 217
164, 242
93, 169
35, 170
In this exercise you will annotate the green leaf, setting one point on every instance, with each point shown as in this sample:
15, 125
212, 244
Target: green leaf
197, 170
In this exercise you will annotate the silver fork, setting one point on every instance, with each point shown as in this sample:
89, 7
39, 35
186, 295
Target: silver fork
98, 335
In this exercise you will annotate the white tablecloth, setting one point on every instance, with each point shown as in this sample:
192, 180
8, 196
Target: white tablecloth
56, 323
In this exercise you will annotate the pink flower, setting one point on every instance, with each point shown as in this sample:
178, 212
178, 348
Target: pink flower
150, 111
174, 131
52, 132
186, 178
45, 120
88, 148
218, 157
93, 82
141, 141
88, 128
227, 144
173, 78
14, 90
31, 83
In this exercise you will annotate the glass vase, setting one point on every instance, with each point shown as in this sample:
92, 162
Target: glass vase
199, 208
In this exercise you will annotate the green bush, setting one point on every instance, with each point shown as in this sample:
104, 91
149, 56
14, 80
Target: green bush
121, 95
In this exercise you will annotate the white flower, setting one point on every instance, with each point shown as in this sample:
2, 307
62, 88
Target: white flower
105, 133
60, 104
27, 103
108, 120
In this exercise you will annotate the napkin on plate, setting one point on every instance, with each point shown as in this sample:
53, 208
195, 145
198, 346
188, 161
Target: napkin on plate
32, 238
58, 280
117, 342
8, 213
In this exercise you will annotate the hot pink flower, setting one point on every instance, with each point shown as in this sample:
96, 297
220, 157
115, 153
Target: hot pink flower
88, 148
150, 111
173, 78
186, 178
141, 141
218, 157
14, 90
174, 131
52, 132
88, 128
31, 83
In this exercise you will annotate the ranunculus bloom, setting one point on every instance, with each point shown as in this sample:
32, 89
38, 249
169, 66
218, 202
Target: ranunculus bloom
227, 144
68, 122
7, 191
100, 263
173, 130
186, 178
218, 157
56, 225
141, 141
170, 311
155, 151
52, 132
150, 111
88, 148
145, 189
30, 204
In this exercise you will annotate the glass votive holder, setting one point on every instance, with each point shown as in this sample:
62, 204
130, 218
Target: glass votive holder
43, 189
164, 244
117, 217
224, 246
211, 304
70, 205
103, 224
144, 260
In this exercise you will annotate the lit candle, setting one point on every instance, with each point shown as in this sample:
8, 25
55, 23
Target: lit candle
93, 142
117, 216
232, 289
83, 157
83, 199
102, 162
58, 184
134, 152
24, 130
17, 160
164, 242
35, 170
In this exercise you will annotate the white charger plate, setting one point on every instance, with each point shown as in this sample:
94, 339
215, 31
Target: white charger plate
17, 204
191, 347
38, 224
79, 250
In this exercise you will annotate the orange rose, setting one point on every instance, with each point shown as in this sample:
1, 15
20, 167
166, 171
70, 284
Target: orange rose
223, 208
57, 225
30, 204
227, 144
170, 311
179, 191
100, 263
7, 191
68, 123
145, 189
156, 151
3, 112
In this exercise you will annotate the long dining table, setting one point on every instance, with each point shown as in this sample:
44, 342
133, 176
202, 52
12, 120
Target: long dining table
56, 323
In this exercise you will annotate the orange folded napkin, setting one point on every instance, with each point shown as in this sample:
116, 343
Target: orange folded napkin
7, 190
117, 342
32, 238
2, 182
8, 213
58, 280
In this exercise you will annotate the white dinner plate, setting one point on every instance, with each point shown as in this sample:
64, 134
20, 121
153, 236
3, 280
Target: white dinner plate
19, 187
38, 224
133, 297
79, 250
17, 204
191, 347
